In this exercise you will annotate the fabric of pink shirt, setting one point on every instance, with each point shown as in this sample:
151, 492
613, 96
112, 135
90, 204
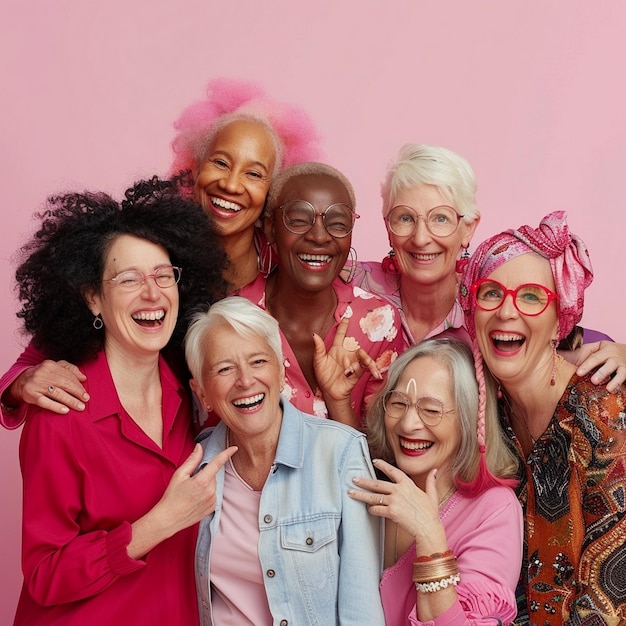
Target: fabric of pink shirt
371, 276
374, 324
15, 418
238, 596
87, 476
485, 534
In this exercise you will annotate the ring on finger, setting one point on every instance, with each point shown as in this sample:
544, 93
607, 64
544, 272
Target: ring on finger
50, 388
380, 501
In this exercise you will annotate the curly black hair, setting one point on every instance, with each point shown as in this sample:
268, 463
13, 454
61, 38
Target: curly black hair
65, 259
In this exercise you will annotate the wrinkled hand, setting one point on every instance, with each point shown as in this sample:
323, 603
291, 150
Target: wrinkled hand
401, 500
189, 497
608, 357
52, 385
338, 370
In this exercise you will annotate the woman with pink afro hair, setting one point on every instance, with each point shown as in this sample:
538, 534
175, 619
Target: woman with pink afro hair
234, 141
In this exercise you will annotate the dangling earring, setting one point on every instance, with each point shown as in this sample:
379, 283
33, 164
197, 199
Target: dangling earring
349, 269
389, 263
97, 322
554, 360
464, 260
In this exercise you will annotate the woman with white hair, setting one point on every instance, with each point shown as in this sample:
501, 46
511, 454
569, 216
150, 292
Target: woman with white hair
285, 544
430, 213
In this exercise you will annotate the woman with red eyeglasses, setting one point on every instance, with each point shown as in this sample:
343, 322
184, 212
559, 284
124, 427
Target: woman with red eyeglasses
522, 292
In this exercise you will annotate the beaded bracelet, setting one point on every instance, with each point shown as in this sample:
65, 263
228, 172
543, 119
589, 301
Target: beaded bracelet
437, 585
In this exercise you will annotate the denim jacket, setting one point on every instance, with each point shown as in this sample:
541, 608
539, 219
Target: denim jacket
321, 549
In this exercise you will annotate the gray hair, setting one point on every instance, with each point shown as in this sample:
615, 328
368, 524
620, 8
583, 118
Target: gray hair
310, 168
457, 358
432, 165
244, 317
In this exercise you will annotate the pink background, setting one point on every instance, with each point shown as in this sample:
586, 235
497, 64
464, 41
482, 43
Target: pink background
532, 93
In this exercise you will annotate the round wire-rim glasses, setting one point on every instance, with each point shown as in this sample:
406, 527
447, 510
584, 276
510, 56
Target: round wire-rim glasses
299, 218
430, 410
440, 221
132, 280
529, 299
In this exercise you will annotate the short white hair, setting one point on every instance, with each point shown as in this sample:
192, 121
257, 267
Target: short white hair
244, 317
422, 164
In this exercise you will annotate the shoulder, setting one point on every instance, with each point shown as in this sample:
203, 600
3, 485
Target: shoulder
598, 416
322, 430
496, 497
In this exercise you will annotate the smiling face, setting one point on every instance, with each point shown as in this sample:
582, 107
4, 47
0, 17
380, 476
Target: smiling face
419, 448
423, 258
310, 261
234, 176
517, 347
241, 382
141, 322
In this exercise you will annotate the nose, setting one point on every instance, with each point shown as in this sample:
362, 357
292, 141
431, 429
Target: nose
150, 289
508, 309
244, 376
318, 231
412, 419
421, 235
231, 182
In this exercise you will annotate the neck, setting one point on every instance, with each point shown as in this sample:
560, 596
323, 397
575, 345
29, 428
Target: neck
533, 401
255, 456
426, 306
243, 258
281, 299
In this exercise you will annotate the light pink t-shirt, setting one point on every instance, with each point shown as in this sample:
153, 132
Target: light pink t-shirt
238, 594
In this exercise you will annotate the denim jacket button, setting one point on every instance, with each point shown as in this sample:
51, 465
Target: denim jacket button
271, 573
309, 541
267, 519
284, 622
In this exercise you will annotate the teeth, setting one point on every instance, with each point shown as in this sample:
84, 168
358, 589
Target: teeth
149, 316
510, 337
315, 258
225, 204
246, 402
424, 257
414, 445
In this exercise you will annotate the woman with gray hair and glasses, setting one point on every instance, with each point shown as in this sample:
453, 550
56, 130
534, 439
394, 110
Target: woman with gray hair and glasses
453, 531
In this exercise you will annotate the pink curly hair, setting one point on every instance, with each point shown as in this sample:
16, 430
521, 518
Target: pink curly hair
228, 99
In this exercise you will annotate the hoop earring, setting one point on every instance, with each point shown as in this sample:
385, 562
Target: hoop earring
97, 322
389, 263
349, 269
461, 263
267, 258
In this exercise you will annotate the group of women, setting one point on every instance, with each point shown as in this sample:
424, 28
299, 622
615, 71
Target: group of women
288, 504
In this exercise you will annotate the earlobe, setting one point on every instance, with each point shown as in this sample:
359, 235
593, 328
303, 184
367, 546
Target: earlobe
92, 302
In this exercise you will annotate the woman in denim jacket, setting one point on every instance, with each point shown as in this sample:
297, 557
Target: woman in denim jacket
285, 544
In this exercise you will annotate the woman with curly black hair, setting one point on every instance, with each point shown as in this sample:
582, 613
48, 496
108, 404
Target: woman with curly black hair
108, 519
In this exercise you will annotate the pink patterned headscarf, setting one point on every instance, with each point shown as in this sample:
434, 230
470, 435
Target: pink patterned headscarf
568, 256
225, 97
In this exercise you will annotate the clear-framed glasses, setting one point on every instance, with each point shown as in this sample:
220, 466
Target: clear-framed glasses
440, 221
132, 280
299, 217
529, 299
430, 410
